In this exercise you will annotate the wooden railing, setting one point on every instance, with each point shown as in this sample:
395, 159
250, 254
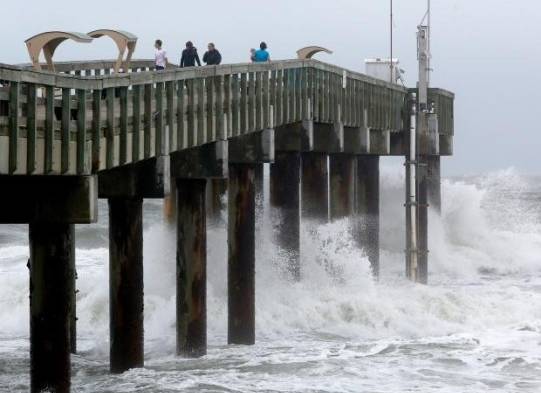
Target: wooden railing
83, 120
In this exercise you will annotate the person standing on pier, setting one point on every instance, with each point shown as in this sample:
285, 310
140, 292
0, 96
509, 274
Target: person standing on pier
212, 56
160, 58
189, 56
261, 55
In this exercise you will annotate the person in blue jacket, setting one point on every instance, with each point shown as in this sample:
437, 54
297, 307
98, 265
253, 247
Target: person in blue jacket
261, 55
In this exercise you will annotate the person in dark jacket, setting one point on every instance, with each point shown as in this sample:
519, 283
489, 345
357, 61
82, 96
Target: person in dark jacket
189, 56
212, 56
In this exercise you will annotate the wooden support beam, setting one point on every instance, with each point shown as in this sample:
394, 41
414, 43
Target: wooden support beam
71, 199
145, 179
341, 171
201, 162
126, 283
315, 187
191, 268
366, 229
284, 194
241, 255
252, 148
295, 137
50, 253
327, 138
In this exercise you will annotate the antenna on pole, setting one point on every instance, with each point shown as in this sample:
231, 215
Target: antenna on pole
391, 30
429, 40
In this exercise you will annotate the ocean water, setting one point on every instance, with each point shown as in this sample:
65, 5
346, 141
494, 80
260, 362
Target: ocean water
475, 328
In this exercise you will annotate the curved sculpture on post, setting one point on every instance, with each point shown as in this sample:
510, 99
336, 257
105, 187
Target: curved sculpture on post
309, 51
48, 42
123, 40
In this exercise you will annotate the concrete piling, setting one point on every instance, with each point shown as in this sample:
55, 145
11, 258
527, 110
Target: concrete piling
191, 268
366, 229
241, 254
126, 283
50, 254
315, 187
341, 171
284, 195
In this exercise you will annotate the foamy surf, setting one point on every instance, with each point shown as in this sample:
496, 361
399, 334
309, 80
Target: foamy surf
475, 328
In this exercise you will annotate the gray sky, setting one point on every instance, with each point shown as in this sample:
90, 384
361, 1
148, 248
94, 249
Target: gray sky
486, 51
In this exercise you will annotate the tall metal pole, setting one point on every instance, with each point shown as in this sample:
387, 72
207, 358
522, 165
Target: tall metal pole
411, 202
391, 30
429, 39
416, 214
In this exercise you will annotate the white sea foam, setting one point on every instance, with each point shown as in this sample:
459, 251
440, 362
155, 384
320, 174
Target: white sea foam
475, 327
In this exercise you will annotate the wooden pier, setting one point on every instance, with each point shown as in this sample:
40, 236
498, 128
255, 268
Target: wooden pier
84, 132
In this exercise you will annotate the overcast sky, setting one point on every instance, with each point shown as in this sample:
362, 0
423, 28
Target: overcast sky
486, 51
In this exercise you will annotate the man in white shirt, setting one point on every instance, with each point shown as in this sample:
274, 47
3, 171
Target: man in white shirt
160, 57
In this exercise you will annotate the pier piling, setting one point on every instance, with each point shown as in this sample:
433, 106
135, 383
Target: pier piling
284, 193
315, 187
50, 285
216, 189
341, 171
367, 208
126, 284
191, 268
259, 180
241, 254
